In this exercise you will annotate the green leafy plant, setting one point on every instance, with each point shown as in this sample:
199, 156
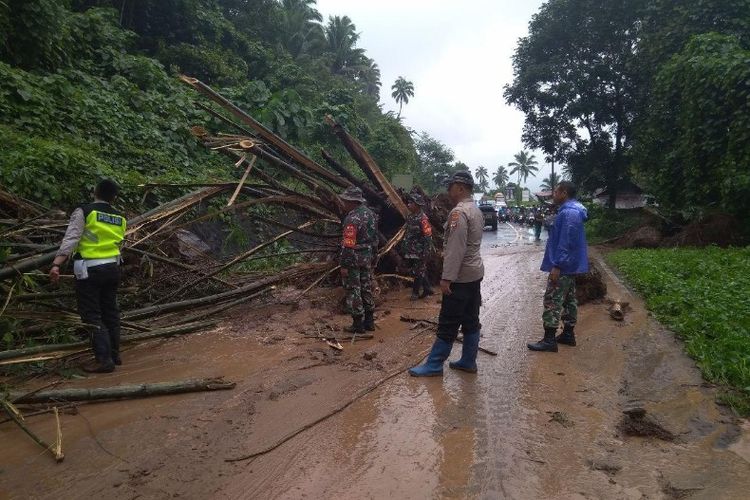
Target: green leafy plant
704, 296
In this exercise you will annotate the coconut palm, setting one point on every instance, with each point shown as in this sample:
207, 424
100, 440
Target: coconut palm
368, 75
549, 183
501, 177
402, 91
341, 43
301, 30
525, 165
482, 178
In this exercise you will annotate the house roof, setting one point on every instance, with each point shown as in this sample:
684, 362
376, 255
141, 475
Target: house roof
624, 186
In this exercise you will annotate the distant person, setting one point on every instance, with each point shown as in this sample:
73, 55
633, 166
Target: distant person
461, 281
538, 222
417, 246
359, 245
93, 239
565, 256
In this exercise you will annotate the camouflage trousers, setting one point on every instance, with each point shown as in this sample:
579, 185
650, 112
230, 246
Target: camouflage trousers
417, 267
560, 302
358, 286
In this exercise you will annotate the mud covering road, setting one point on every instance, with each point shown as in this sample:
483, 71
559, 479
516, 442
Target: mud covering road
529, 425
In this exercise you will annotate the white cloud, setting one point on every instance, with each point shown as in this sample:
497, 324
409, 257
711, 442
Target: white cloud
459, 57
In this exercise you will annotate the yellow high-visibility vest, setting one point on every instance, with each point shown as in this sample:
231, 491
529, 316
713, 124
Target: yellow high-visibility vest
103, 232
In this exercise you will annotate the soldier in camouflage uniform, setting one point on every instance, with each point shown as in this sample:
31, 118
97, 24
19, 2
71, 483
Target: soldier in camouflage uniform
565, 256
359, 246
417, 246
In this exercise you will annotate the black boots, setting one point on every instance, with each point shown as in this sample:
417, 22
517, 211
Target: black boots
369, 323
567, 337
427, 290
547, 344
415, 288
357, 325
100, 344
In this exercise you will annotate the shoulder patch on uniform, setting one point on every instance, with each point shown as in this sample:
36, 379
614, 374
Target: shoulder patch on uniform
453, 221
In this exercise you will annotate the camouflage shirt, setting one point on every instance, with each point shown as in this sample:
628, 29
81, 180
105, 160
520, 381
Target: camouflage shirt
360, 239
418, 238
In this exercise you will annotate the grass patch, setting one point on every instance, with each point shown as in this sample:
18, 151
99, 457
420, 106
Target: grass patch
704, 296
605, 224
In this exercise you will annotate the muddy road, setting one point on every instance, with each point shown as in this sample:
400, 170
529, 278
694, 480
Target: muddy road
354, 425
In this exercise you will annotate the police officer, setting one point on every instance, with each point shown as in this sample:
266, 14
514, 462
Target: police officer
93, 239
358, 255
463, 271
417, 245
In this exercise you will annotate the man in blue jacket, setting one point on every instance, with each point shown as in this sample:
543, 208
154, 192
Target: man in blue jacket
565, 256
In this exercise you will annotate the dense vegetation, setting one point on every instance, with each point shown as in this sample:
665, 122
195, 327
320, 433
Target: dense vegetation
88, 88
653, 90
704, 295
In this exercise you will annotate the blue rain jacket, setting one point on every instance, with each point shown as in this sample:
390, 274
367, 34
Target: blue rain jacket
566, 246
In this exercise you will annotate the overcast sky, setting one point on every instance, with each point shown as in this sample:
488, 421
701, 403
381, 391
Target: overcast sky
458, 54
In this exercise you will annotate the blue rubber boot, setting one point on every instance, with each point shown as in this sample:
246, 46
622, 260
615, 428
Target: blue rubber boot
468, 361
433, 367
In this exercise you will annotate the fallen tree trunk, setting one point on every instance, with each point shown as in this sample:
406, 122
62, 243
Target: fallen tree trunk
235, 261
27, 265
125, 391
264, 133
368, 165
162, 332
155, 310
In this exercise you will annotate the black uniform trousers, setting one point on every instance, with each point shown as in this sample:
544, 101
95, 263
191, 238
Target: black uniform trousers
460, 309
97, 305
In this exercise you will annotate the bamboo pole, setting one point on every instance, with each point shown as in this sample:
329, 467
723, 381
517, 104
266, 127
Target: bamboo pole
242, 181
234, 261
128, 391
161, 332
154, 310
16, 416
368, 165
263, 132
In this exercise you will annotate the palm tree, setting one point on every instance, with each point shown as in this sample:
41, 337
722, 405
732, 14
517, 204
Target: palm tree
368, 75
402, 91
550, 182
341, 43
501, 177
301, 29
525, 165
482, 177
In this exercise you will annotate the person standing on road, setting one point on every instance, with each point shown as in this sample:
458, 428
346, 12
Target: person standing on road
538, 222
358, 255
417, 246
93, 239
565, 256
461, 281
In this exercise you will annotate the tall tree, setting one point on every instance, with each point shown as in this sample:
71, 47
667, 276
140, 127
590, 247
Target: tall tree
402, 91
501, 177
342, 37
302, 32
549, 183
573, 79
524, 165
435, 162
483, 178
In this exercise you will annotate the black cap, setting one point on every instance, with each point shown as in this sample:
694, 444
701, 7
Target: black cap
461, 177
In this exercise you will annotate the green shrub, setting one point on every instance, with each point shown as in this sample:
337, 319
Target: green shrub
704, 296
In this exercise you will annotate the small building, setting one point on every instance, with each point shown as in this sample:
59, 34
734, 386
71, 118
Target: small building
525, 194
629, 196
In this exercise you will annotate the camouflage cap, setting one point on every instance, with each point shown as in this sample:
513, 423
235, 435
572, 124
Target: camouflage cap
461, 177
352, 194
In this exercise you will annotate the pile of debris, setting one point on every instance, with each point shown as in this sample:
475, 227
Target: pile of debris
175, 282
170, 268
